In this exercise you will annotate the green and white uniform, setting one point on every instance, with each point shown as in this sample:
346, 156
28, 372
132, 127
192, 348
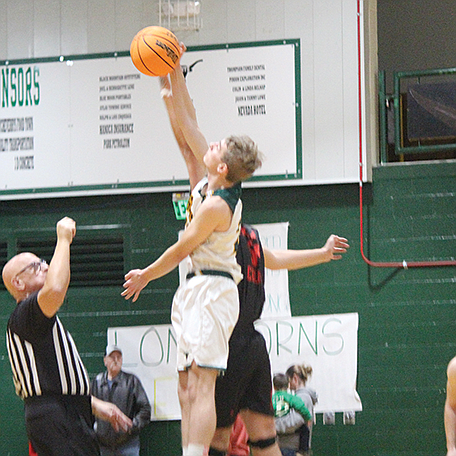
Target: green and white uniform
206, 306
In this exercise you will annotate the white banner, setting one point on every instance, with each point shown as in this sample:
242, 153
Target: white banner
326, 342
277, 298
97, 124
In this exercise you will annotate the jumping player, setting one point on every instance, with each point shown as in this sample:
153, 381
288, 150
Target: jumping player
246, 385
205, 308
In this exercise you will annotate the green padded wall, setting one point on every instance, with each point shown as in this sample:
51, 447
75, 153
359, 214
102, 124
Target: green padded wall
407, 317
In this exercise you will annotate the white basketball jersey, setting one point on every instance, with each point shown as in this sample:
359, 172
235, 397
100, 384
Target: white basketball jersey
219, 250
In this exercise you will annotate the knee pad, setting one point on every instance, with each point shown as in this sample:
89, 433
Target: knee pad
215, 452
264, 443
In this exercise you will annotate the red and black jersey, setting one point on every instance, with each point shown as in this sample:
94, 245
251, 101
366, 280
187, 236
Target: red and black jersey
247, 383
251, 288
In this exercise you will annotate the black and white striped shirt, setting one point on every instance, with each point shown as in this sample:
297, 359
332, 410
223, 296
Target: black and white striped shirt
43, 356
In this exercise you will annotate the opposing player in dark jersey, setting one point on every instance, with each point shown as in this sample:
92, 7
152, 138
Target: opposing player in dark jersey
246, 386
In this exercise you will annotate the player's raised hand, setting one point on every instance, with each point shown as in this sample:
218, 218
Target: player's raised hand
134, 283
336, 246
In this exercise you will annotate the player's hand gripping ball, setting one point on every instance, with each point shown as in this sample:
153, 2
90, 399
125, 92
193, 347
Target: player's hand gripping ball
155, 51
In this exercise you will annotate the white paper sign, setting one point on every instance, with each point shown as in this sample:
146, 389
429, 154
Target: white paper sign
326, 342
277, 298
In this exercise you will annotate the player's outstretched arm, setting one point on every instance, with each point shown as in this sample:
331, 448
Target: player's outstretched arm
333, 249
196, 169
211, 217
186, 115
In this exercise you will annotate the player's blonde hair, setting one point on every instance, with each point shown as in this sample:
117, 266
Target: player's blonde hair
242, 158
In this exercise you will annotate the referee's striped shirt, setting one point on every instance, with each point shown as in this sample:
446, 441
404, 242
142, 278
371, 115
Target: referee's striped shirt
43, 356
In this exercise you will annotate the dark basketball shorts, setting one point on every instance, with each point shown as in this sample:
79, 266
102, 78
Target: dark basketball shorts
247, 382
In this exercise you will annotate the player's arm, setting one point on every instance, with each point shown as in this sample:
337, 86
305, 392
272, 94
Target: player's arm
196, 169
333, 249
212, 216
51, 296
450, 409
186, 115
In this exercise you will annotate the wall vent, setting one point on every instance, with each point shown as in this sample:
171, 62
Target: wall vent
3, 259
95, 262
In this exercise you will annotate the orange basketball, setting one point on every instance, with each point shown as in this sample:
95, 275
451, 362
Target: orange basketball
155, 51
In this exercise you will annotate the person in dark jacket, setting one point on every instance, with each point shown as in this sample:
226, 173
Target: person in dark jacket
126, 391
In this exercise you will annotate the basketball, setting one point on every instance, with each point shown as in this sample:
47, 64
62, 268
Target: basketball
155, 51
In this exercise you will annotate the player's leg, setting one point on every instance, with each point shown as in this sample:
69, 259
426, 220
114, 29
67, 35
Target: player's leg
182, 392
202, 418
220, 441
256, 406
262, 433
227, 391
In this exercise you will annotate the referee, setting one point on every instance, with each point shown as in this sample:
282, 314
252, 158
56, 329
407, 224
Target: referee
48, 373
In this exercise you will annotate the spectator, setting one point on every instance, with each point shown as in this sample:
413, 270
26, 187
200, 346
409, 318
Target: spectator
126, 391
301, 439
290, 412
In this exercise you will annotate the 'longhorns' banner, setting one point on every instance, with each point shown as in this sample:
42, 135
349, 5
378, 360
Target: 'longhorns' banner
326, 342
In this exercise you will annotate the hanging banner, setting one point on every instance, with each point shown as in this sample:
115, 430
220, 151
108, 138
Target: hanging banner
94, 124
328, 343
277, 298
